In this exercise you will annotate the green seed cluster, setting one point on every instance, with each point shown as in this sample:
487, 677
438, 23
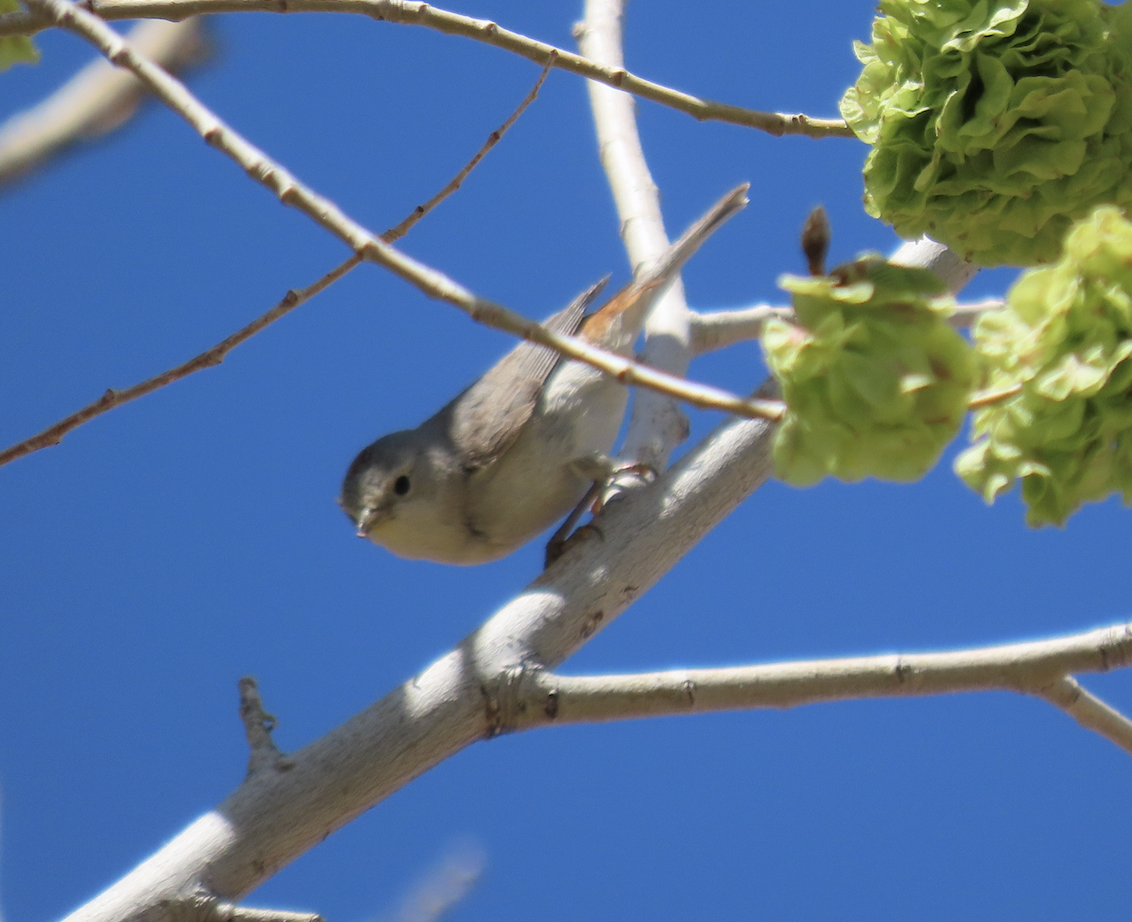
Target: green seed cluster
875, 380
994, 123
1066, 338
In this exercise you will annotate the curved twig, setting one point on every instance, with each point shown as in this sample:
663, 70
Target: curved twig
482, 30
215, 355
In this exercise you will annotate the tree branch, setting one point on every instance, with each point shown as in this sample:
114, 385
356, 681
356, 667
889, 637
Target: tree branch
719, 329
396, 233
925, 253
435, 284
1090, 712
275, 816
215, 355
97, 100
53, 435
1038, 667
217, 911
482, 30
258, 727
657, 424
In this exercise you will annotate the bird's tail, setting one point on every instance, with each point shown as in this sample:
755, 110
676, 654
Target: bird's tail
618, 322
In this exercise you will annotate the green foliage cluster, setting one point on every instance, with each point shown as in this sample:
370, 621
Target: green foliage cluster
994, 123
15, 49
875, 380
1066, 338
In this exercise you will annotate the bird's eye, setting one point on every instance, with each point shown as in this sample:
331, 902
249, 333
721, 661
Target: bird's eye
401, 485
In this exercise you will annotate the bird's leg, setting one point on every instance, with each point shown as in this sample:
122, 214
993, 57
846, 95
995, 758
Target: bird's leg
600, 469
565, 535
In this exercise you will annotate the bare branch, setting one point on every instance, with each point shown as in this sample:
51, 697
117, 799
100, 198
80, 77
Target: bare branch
1036, 667
925, 253
657, 424
719, 329
396, 233
368, 246
210, 357
482, 30
987, 398
277, 815
965, 314
1090, 712
98, 99
214, 356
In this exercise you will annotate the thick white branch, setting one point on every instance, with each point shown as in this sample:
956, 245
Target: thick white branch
657, 424
281, 812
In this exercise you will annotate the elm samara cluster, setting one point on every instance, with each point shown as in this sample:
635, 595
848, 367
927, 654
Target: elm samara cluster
1065, 337
875, 380
994, 124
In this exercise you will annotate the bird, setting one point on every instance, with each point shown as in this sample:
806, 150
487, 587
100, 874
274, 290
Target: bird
520, 447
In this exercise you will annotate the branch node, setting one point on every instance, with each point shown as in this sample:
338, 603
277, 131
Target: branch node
591, 623
258, 726
504, 706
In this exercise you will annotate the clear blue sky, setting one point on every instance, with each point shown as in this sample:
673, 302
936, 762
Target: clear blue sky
165, 550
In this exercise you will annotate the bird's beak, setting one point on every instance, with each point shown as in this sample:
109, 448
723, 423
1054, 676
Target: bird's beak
366, 521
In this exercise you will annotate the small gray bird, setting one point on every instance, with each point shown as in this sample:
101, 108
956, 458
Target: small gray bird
518, 449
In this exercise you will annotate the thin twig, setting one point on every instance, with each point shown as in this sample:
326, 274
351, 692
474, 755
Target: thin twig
98, 99
214, 356
210, 357
966, 313
482, 30
444, 886
396, 233
431, 282
1089, 711
986, 398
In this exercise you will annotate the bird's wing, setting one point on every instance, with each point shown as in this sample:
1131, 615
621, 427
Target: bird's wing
486, 418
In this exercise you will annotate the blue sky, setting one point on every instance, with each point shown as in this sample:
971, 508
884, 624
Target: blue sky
170, 547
